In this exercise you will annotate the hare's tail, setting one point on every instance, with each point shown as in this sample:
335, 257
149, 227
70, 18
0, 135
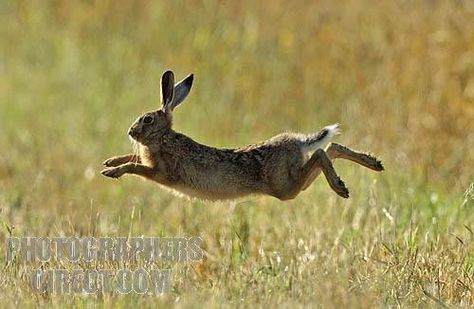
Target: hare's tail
321, 138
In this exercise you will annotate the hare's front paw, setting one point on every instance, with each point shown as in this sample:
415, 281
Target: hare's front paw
110, 162
115, 172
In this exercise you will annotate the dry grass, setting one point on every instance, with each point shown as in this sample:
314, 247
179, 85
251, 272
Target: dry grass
398, 75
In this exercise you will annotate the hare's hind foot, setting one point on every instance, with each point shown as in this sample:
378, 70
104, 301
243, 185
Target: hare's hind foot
119, 160
336, 151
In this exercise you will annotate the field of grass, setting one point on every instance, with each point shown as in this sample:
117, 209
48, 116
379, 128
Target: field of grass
398, 76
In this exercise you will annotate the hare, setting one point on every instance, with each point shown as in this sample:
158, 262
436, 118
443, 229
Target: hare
281, 166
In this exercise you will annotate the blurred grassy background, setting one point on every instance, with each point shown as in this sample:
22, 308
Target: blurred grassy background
398, 76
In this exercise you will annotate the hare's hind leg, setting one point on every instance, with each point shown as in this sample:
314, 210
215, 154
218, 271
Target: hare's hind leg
336, 151
318, 162
119, 160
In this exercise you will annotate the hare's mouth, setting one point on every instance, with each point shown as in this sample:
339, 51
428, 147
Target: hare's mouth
134, 134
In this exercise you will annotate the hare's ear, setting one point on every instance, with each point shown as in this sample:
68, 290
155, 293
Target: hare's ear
167, 89
181, 90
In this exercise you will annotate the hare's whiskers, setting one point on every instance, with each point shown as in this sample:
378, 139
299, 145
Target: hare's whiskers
136, 151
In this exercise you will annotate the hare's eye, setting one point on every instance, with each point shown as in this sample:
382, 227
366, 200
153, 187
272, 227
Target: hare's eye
147, 119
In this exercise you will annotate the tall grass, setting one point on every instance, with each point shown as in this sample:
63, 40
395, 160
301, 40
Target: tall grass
398, 76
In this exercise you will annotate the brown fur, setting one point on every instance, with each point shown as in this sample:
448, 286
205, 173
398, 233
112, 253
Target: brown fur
281, 166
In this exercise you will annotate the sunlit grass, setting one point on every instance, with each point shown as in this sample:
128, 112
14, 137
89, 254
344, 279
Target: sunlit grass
398, 76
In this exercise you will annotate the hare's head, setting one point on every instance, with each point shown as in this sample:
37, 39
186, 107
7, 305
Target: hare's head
154, 123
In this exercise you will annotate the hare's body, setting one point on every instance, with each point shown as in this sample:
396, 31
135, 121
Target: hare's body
201, 171
281, 166
211, 173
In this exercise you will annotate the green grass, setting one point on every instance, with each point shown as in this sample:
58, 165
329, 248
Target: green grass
398, 76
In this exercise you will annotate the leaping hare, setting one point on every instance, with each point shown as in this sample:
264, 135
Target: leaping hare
281, 166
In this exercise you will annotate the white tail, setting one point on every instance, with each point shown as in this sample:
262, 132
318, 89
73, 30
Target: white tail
321, 139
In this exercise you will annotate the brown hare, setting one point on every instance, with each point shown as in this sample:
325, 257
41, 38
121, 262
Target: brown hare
281, 166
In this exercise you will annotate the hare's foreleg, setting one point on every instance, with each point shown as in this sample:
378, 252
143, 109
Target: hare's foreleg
131, 168
336, 151
119, 160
